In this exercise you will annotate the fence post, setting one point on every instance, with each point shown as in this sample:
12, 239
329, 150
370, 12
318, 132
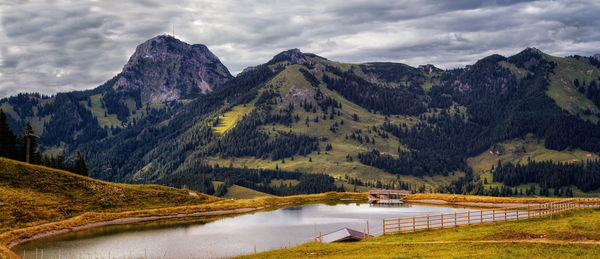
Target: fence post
442, 220
414, 229
383, 221
517, 213
469, 218
493, 215
455, 219
505, 218
428, 221
481, 216
528, 211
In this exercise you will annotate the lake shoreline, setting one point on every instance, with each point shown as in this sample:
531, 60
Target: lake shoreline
129, 220
52, 229
270, 228
282, 202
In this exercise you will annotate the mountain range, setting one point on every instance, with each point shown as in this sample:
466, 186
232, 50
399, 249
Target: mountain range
175, 110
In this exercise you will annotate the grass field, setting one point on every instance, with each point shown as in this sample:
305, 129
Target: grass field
562, 89
518, 150
228, 120
519, 72
571, 234
240, 192
110, 120
476, 198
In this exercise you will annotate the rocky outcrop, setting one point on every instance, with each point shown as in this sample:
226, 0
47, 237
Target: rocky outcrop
294, 56
165, 69
429, 69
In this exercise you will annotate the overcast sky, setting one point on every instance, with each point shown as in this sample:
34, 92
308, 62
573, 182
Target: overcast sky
52, 46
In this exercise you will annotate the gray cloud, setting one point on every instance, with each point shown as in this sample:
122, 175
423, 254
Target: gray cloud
52, 46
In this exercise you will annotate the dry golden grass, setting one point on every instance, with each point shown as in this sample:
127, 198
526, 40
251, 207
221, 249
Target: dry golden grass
474, 198
36, 199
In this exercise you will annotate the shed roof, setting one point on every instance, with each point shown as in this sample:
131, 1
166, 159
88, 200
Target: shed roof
344, 234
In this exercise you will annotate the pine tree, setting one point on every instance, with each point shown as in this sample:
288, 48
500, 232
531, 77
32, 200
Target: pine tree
8, 139
34, 155
80, 166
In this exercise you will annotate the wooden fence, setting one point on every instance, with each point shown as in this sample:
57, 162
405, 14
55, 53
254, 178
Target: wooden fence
410, 224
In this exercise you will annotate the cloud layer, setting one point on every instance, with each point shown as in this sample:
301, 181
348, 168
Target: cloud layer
53, 46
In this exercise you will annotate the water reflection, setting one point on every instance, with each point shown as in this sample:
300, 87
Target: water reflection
240, 235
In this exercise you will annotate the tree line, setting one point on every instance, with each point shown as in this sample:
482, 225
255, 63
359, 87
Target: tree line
585, 175
200, 178
15, 147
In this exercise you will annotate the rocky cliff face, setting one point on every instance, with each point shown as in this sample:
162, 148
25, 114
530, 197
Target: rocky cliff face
294, 56
429, 69
165, 69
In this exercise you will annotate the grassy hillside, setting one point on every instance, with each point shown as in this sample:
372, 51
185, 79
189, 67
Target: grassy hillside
562, 88
31, 195
241, 192
227, 120
518, 151
104, 119
294, 88
571, 234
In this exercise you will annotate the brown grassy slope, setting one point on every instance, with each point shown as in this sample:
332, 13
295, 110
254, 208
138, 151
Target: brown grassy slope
475, 198
32, 195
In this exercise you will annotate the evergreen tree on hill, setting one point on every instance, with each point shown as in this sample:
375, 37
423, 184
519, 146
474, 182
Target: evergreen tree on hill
8, 139
80, 166
34, 154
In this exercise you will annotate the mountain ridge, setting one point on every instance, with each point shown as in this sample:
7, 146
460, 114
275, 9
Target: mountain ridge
303, 112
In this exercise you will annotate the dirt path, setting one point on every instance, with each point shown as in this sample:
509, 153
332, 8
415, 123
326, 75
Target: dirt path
126, 221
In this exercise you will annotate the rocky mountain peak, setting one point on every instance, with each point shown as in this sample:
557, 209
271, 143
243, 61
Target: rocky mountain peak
294, 56
164, 69
533, 50
528, 58
597, 56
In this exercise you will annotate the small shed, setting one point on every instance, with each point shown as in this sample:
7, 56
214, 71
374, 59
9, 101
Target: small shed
343, 235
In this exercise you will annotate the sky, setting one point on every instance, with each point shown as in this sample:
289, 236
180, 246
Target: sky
51, 46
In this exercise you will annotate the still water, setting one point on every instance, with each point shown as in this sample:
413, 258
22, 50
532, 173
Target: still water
260, 231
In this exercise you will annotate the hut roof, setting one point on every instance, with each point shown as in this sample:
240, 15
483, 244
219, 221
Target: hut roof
344, 234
